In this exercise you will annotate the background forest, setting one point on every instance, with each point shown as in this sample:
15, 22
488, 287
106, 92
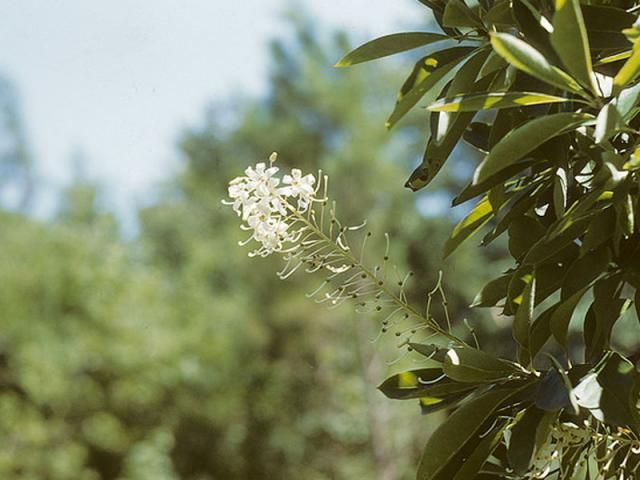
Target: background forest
166, 354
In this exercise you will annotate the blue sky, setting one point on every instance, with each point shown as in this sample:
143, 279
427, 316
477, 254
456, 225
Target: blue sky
118, 80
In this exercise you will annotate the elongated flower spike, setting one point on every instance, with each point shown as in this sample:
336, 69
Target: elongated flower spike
293, 216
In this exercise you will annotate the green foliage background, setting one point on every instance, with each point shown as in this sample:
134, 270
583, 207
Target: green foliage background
170, 355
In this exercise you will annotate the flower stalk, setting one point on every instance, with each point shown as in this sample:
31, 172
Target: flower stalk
289, 216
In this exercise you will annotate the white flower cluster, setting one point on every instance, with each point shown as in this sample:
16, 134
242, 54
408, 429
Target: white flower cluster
264, 201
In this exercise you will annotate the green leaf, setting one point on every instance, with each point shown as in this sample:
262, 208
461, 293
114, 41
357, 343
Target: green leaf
492, 292
480, 215
455, 432
600, 18
431, 404
431, 71
610, 392
560, 191
522, 140
488, 101
628, 100
422, 383
585, 270
600, 230
439, 149
540, 331
608, 122
524, 231
561, 317
605, 310
499, 14
523, 439
628, 72
475, 366
474, 462
526, 58
522, 321
431, 351
569, 39
457, 14
389, 45
552, 394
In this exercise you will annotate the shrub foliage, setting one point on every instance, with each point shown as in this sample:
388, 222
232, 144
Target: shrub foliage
549, 94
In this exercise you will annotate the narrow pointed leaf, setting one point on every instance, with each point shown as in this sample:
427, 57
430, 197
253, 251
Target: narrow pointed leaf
431, 71
475, 366
452, 435
487, 101
561, 317
389, 45
526, 58
569, 39
457, 14
480, 215
522, 321
492, 292
628, 72
519, 142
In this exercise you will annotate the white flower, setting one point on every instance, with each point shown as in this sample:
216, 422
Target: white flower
299, 187
264, 206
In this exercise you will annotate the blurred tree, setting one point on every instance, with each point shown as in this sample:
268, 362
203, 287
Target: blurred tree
16, 174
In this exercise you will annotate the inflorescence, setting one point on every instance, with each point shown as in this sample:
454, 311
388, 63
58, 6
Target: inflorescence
292, 216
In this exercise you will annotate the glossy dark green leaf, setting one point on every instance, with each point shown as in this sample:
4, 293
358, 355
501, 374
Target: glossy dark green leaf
601, 18
457, 14
522, 321
526, 58
585, 270
436, 404
561, 317
569, 39
540, 331
521, 141
440, 147
605, 310
454, 433
475, 366
492, 292
426, 382
499, 14
432, 352
610, 392
389, 45
480, 215
524, 231
475, 461
600, 230
435, 69
523, 439
552, 394
546, 248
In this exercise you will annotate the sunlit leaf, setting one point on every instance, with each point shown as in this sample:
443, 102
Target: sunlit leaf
569, 39
433, 70
487, 101
519, 142
526, 58
389, 45
480, 215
